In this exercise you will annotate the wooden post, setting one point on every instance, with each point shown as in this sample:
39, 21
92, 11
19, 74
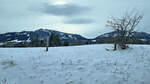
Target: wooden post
47, 43
115, 46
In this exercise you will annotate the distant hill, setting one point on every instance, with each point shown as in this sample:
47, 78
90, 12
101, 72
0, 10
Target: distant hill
136, 37
42, 33
72, 39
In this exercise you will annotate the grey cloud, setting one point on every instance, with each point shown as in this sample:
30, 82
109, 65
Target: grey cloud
79, 21
64, 10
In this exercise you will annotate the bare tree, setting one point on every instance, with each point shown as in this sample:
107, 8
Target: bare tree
124, 27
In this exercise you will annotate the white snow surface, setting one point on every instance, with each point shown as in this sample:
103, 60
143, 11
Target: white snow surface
105, 35
1, 43
143, 40
70, 36
91, 64
28, 40
17, 41
93, 40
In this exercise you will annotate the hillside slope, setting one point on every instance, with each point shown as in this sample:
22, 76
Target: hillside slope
26, 36
135, 37
90, 64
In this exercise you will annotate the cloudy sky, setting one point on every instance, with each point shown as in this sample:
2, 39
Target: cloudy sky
85, 17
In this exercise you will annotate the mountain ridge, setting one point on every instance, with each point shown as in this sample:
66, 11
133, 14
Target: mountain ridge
42, 33
28, 36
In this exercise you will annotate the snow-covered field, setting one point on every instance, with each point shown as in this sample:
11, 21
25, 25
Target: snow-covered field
91, 64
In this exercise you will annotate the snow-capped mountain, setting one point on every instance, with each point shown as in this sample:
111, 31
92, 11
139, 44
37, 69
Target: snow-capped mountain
42, 34
73, 39
141, 37
134, 34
